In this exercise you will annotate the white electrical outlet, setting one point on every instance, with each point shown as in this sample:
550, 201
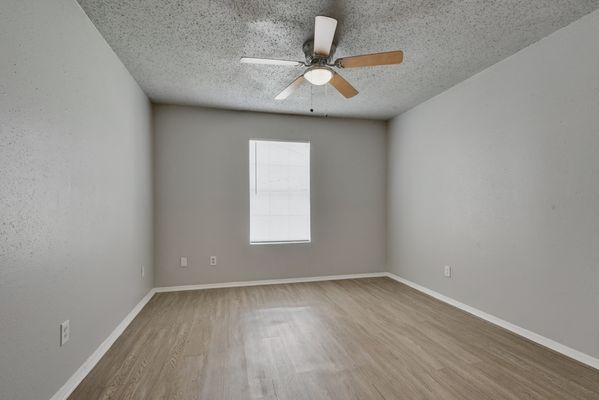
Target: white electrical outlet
143, 271
447, 271
212, 260
183, 262
65, 332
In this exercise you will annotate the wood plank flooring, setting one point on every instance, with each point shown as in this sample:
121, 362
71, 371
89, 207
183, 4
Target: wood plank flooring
352, 339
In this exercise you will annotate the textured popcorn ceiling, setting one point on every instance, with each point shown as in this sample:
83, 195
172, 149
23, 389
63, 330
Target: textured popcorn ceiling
187, 51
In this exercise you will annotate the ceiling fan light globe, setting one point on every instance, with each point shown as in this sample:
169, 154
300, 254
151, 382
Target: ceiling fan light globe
318, 76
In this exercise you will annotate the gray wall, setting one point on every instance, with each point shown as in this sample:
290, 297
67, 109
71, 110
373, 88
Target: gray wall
202, 200
499, 177
75, 193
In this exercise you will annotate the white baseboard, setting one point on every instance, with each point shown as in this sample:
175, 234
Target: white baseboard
65, 391
542, 340
268, 282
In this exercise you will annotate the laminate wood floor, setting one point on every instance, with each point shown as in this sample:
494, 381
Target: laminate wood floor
352, 339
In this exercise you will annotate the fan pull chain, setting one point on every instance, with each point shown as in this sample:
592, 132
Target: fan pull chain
326, 93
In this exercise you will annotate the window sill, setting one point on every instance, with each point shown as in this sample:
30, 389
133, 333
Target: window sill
284, 242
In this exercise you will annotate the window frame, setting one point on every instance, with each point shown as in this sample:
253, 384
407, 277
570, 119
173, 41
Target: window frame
279, 242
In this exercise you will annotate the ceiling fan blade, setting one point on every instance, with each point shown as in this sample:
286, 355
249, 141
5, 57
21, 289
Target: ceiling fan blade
370, 60
324, 32
291, 88
268, 61
343, 86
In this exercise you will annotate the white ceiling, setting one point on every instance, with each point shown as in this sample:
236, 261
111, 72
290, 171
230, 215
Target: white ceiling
187, 51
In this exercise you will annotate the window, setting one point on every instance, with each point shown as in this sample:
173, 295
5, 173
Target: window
279, 192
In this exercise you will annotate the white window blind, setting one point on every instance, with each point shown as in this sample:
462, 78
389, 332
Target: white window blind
279, 191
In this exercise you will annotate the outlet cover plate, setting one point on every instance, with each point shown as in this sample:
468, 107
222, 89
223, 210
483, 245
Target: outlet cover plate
447, 271
65, 332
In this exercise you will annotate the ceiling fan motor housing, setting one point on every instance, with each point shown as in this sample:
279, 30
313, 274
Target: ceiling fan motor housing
317, 59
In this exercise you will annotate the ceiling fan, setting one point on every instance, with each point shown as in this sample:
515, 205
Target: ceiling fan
319, 53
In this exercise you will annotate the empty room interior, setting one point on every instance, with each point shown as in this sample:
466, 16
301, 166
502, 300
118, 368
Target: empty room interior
311, 200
